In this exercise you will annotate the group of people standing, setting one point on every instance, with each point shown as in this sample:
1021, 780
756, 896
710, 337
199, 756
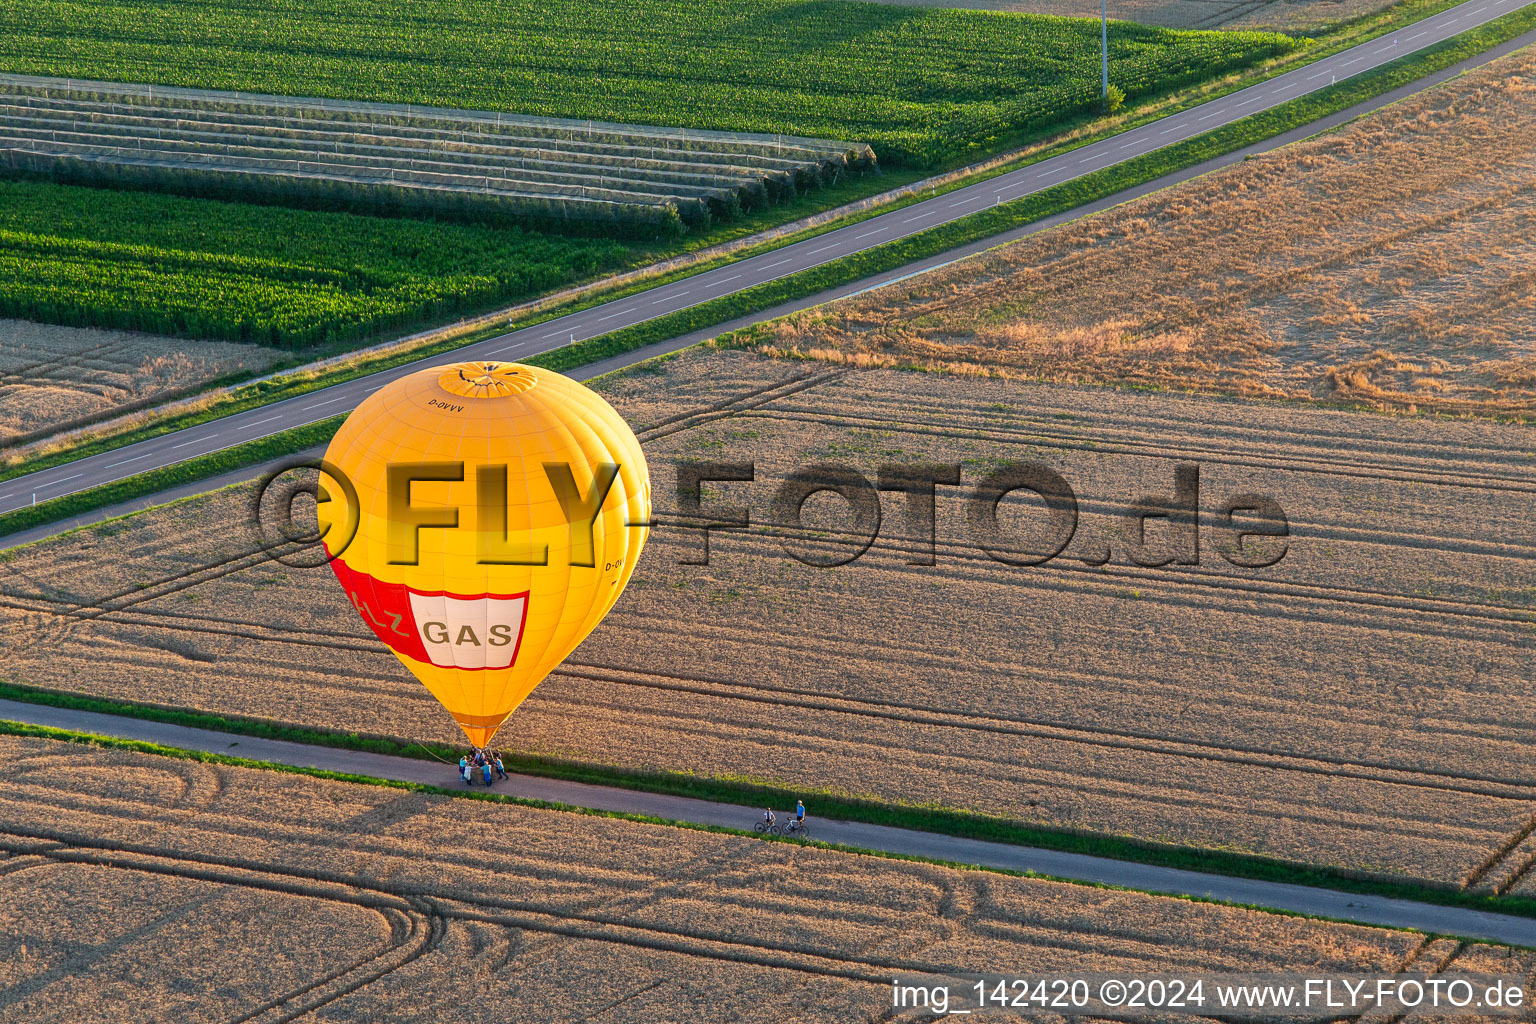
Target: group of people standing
484, 760
794, 824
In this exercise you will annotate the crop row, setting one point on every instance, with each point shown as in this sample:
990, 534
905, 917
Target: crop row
289, 278
922, 86
513, 170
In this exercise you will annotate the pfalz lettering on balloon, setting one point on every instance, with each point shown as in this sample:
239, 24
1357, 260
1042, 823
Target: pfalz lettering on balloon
367, 613
487, 496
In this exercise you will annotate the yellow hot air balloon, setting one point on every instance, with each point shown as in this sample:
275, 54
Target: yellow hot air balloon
501, 511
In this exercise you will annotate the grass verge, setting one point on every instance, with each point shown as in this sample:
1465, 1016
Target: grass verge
881, 259
833, 805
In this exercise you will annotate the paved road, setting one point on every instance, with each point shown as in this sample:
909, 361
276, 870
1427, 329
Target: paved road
231, 430
1373, 910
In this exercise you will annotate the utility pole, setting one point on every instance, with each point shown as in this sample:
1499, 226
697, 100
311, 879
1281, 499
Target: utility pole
1104, 47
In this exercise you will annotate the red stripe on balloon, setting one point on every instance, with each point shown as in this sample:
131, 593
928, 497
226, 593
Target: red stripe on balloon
385, 607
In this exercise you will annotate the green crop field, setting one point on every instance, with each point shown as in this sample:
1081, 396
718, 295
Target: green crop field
291, 278
922, 86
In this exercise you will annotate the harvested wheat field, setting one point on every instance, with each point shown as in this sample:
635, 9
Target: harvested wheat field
1391, 264
202, 892
1364, 702
1271, 15
54, 378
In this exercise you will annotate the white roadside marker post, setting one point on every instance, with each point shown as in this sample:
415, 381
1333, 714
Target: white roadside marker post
1104, 48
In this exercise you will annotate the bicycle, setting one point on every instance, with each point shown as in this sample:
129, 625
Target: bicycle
798, 829
762, 827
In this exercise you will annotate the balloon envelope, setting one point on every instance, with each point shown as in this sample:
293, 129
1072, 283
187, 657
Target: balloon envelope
501, 511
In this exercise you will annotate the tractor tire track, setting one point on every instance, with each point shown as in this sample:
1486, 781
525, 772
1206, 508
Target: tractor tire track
726, 408
1497, 787
1065, 442
521, 915
1191, 578
1303, 439
425, 930
20, 375
1174, 583
1471, 784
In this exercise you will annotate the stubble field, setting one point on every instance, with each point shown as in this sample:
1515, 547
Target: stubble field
173, 880
1389, 264
54, 378
1362, 703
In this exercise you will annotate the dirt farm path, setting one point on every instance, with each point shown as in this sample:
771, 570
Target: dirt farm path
1373, 910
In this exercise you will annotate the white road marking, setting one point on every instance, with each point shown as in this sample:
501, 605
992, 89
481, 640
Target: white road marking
824, 248
964, 201
1320, 74
1214, 113
328, 401
1175, 128
1251, 99
664, 298
920, 216
1057, 170
725, 280
64, 480
1091, 159
551, 334
771, 266
269, 419
377, 386
125, 462
1417, 35
877, 231
1128, 145
621, 312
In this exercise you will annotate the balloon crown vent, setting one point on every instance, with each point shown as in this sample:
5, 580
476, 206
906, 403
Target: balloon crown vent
487, 379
